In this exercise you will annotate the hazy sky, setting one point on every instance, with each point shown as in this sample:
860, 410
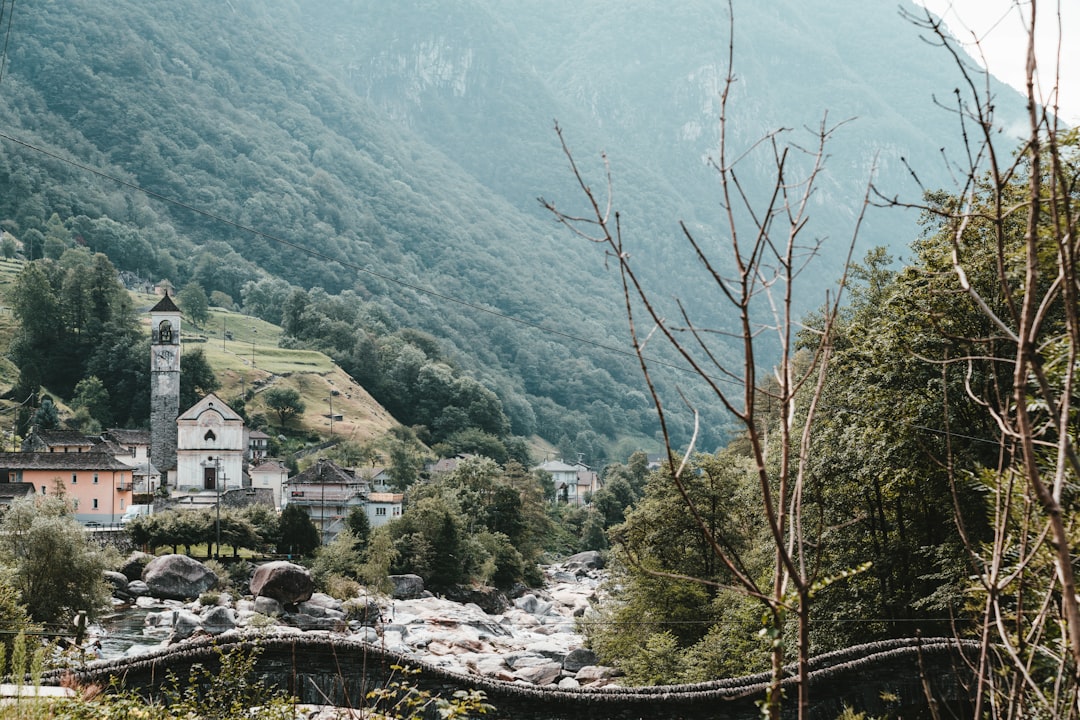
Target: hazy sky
1000, 27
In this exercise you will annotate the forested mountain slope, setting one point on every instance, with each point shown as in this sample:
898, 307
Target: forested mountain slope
394, 151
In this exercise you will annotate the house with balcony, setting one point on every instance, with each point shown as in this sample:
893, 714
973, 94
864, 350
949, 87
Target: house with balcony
258, 445
97, 484
328, 493
573, 483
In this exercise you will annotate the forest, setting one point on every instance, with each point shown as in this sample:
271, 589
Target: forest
349, 152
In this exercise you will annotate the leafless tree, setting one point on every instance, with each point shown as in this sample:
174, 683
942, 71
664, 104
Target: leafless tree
753, 270
1019, 209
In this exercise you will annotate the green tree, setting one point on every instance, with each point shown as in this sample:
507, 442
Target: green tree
360, 527
57, 571
286, 402
198, 378
338, 558
46, 417
193, 302
298, 534
91, 394
406, 459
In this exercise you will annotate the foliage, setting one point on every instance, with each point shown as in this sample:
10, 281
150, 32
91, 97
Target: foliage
252, 528
46, 417
480, 522
198, 378
76, 322
193, 302
92, 395
297, 533
338, 558
57, 571
286, 402
14, 617
400, 699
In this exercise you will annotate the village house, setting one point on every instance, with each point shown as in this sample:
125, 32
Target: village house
271, 474
573, 483
328, 493
382, 507
258, 445
58, 441
98, 485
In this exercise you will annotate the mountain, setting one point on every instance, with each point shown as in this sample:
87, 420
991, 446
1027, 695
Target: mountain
394, 152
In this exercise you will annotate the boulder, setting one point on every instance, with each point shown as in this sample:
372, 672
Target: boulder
177, 577
218, 619
182, 623
592, 673
577, 659
491, 600
137, 588
365, 612
268, 606
592, 559
407, 587
539, 674
118, 582
532, 604
286, 582
133, 566
303, 621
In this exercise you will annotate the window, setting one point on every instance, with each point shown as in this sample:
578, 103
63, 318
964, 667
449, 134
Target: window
95, 478
209, 436
74, 478
380, 511
44, 490
95, 503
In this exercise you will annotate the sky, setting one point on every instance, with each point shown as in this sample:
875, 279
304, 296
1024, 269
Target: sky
1000, 27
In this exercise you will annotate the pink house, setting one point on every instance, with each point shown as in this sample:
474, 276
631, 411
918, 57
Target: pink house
98, 485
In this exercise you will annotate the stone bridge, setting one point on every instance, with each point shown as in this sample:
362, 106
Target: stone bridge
898, 677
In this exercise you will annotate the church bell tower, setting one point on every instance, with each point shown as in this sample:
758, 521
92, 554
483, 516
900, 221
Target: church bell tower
164, 385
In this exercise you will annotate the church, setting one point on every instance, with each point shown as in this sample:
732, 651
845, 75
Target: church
202, 448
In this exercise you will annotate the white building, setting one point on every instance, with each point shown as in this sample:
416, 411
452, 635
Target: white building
382, 507
271, 474
572, 482
209, 447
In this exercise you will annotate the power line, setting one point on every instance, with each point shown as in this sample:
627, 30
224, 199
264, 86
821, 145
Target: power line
10, 9
352, 266
418, 288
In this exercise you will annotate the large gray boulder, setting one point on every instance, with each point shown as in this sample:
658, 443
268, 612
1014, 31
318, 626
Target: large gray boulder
218, 619
591, 559
119, 584
134, 565
177, 577
407, 587
286, 582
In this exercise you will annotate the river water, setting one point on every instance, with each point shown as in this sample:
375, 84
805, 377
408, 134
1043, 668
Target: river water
122, 629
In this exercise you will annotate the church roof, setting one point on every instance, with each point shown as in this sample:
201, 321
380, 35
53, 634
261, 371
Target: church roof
166, 304
210, 402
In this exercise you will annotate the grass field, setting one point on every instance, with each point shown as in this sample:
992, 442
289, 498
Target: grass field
244, 354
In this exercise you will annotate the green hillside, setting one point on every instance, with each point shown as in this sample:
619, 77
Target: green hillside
385, 158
